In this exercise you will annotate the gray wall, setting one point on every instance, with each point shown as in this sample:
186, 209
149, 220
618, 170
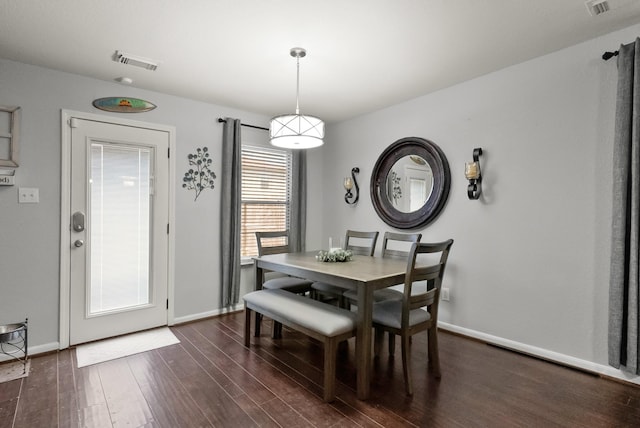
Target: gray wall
30, 233
529, 266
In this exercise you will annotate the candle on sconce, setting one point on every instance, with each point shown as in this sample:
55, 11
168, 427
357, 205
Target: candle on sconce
471, 170
474, 175
348, 183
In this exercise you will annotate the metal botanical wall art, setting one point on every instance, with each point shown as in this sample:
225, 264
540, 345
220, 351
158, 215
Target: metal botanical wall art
396, 190
199, 177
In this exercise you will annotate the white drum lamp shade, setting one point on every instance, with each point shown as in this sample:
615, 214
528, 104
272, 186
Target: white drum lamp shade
296, 131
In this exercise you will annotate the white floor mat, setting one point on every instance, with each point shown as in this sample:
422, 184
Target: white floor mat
118, 347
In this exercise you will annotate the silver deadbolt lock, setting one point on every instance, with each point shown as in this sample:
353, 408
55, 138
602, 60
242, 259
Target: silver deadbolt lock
77, 221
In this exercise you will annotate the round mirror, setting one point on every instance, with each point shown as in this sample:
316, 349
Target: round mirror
410, 183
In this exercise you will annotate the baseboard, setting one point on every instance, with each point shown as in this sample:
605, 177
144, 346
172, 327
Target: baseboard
577, 363
208, 314
35, 350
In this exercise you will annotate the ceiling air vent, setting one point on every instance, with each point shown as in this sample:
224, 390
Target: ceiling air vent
138, 61
597, 7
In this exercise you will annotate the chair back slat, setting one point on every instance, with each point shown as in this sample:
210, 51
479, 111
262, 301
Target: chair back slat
391, 237
359, 237
273, 242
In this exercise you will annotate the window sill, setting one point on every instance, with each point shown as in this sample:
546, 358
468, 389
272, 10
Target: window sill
246, 261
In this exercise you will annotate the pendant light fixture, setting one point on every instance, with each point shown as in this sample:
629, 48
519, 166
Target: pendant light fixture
296, 131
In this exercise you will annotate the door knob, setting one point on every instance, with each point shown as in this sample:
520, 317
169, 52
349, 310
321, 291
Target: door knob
78, 243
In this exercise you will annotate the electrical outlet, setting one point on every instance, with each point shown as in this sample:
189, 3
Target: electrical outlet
28, 195
445, 294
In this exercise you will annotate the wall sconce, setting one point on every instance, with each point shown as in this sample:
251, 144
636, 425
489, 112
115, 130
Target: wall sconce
349, 182
474, 175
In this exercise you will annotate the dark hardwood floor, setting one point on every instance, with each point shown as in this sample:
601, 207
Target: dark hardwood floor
211, 379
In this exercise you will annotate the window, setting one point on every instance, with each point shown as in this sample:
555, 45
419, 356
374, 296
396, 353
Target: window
266, 191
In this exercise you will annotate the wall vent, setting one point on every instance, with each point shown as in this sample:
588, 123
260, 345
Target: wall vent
597, 7
138, 61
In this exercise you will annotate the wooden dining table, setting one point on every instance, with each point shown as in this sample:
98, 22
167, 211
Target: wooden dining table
363, 273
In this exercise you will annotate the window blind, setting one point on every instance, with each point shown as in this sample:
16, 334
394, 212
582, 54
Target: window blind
265, 194
120, 216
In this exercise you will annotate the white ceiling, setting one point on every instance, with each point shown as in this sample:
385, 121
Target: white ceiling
362, 55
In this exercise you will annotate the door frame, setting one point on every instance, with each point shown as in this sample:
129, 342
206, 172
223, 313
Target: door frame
65, 212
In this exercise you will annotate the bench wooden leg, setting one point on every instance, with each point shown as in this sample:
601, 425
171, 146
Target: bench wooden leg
277, 330
247, 325
258, 321
330, 349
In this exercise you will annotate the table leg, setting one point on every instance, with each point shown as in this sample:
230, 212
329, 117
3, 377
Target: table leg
363, 340
258, 286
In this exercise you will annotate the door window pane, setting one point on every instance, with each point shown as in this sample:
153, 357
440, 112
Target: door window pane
120, 216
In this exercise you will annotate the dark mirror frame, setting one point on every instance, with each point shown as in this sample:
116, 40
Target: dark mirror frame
380, 198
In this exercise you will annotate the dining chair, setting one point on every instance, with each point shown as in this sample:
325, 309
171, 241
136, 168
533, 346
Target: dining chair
392, 246
276, 243
360, 243
416, 311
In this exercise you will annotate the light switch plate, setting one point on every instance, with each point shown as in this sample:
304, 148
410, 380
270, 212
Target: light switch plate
28, 195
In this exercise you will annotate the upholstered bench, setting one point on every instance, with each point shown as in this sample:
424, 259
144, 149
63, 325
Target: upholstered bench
326, 323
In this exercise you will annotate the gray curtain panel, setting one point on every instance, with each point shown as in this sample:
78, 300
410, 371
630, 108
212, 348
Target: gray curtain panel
231, 194
624, 305
298, 213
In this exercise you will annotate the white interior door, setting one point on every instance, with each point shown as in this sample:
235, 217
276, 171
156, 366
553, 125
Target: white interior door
418, 186
119, 209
